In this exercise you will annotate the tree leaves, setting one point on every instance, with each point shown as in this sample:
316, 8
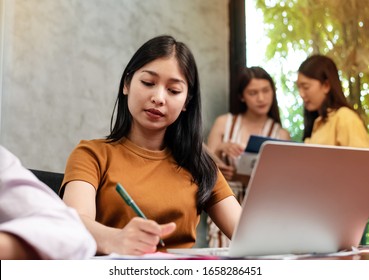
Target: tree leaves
337, 28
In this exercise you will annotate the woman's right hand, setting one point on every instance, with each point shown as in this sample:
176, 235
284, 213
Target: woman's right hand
232, 150
140, 236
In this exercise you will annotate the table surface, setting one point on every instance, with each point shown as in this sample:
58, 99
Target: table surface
362, 255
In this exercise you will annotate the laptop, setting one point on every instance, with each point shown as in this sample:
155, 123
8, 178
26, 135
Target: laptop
302, 199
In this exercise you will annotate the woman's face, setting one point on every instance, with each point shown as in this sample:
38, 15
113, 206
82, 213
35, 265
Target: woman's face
312, 92
258, 96
157, 94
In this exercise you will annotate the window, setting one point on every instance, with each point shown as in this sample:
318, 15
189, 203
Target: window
288, 31
256, 45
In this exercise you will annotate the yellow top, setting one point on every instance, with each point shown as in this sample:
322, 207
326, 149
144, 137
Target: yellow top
343, 127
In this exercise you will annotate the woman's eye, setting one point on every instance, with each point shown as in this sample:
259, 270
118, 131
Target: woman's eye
303, 87
146, 83
174, 91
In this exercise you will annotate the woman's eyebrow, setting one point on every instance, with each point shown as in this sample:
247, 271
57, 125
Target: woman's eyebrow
302, 83
153, 73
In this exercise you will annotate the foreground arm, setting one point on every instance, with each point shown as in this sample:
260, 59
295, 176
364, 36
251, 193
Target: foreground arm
225, 215
34, 221
138, 237
14, 248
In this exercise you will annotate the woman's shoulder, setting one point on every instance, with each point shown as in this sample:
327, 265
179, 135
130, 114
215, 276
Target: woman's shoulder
224, 117
284, 134
346, 114
95, 150
93, 143
221, 121
275, 130
345, 111
95, 146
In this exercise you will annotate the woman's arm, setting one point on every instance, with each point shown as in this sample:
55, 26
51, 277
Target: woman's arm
284, 134
215, 138
216, 147
14, 248
138, 237
226, 214
350, 130
34, 221
228, 171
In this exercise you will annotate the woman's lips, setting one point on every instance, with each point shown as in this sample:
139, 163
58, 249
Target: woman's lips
155, 113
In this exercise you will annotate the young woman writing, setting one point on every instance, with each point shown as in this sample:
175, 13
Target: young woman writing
155, 151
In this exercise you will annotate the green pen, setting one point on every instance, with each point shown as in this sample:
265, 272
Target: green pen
130, 202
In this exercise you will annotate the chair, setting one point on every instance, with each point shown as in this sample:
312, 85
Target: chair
52, 179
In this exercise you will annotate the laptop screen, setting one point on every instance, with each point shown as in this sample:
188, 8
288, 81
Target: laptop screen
304, 199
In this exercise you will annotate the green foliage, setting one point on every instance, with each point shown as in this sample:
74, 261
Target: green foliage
337, 28
292, 116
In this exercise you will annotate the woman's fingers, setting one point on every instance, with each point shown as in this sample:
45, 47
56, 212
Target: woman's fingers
143, 235
167, 229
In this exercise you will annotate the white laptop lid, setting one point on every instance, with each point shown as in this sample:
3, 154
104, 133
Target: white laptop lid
303, 199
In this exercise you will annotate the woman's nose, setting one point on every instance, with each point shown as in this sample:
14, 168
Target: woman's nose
260, 96
301, 93
158, 97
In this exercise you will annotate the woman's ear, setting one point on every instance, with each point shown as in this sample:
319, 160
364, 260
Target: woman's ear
186, 103
326, 87
125, 90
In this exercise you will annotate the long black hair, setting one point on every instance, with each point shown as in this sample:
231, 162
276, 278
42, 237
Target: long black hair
323, 69
185, 136
244, 79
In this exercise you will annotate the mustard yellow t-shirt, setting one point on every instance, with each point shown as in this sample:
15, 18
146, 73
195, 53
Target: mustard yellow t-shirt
343, 127
163, 191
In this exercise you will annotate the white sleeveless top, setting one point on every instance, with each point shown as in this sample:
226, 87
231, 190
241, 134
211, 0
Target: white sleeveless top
270, 129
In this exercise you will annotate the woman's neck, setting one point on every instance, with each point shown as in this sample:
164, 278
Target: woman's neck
149, 140
251, 118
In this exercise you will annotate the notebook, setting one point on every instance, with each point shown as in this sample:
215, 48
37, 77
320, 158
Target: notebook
255, 142
246, 162
303, 199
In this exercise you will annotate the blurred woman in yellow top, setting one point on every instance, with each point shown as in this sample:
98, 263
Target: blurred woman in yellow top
328, 118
